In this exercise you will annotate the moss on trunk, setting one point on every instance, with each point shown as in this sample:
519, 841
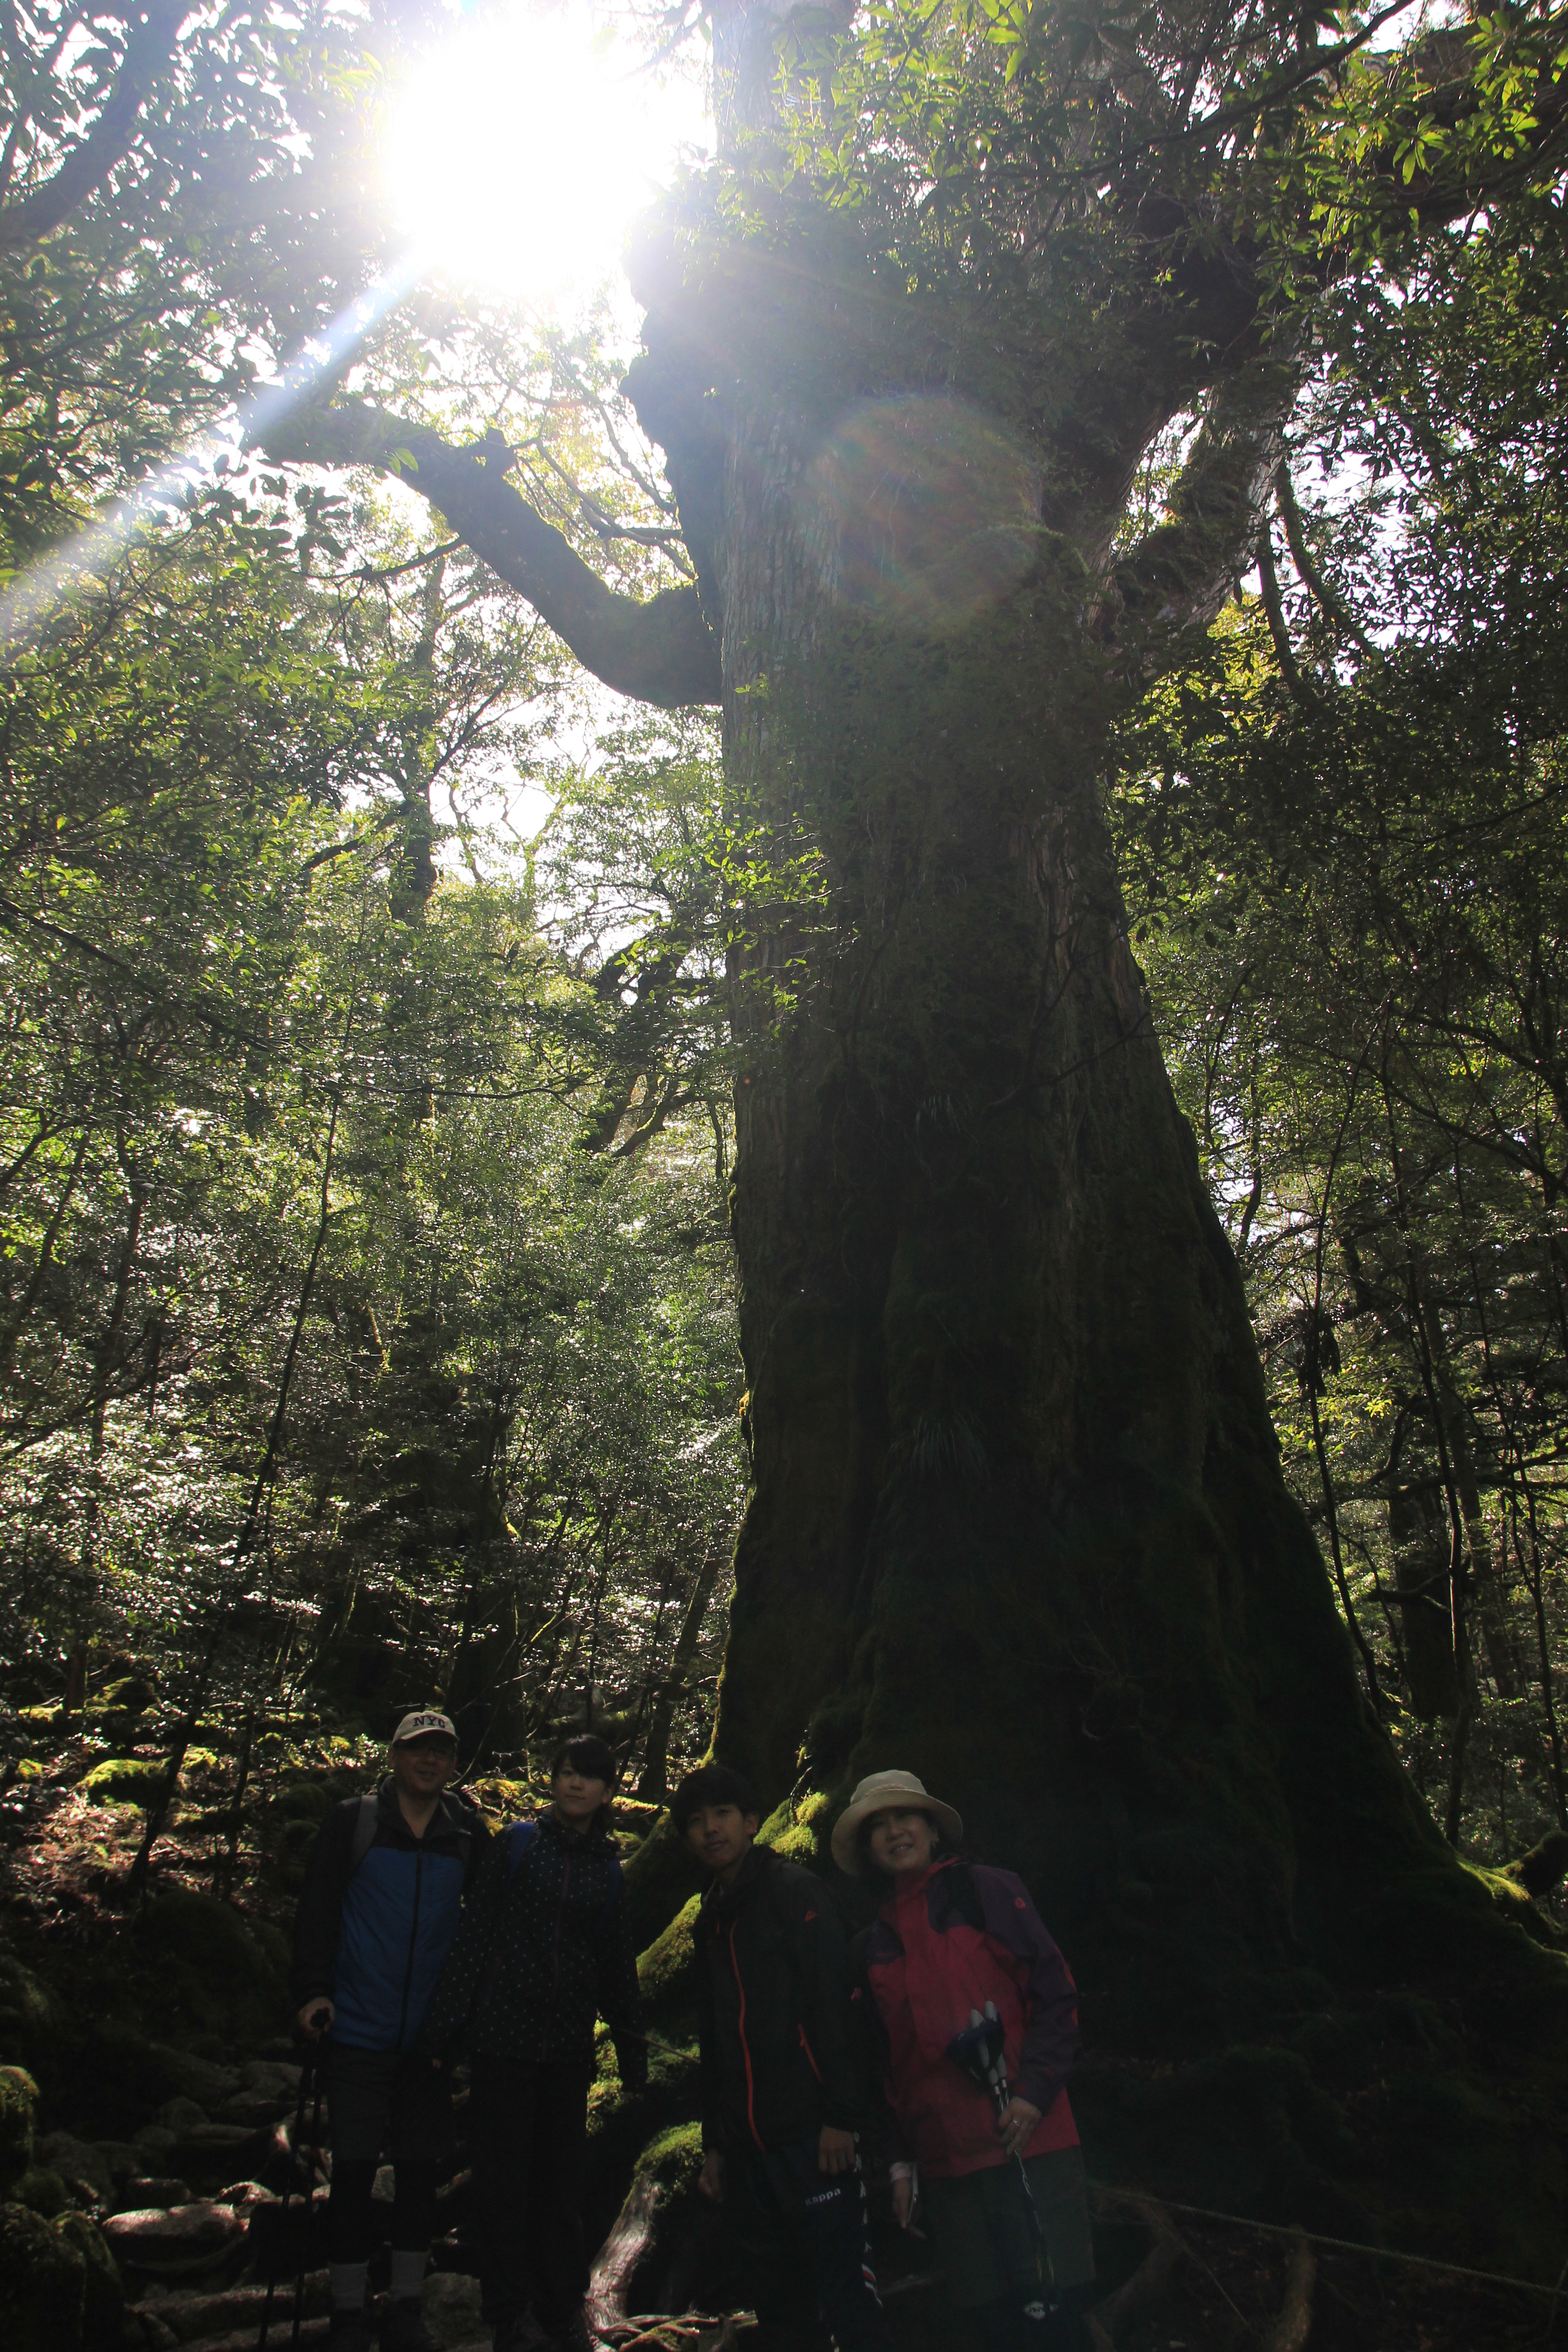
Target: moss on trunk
1018, 1521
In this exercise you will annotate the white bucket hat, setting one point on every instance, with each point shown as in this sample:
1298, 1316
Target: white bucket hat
880, 1792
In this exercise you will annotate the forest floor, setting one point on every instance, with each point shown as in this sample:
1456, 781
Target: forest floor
167, 2111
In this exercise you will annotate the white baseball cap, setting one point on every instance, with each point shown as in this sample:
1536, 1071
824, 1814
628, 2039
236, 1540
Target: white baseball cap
420, 1724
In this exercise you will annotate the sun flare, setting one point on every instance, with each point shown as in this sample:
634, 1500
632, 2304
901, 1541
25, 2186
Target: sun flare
521, 154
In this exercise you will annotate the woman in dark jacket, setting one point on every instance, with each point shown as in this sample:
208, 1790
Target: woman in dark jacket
1005, 2196
545, 1949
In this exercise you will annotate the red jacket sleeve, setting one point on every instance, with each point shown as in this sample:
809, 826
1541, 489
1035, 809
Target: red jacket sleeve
1051, 1997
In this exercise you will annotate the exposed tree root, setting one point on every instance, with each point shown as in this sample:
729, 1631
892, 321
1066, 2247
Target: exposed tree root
619, 2255
1138, 2296
1294, 2325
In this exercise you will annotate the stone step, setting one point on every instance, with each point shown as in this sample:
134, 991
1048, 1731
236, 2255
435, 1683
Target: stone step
174, 2241
199, 2315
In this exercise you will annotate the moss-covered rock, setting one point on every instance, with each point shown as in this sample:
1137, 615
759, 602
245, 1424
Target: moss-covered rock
664, 1970
43, 2283
1543, 1867
1514, 1900
19, 2124
28, 1768
85, 2169
215, 1974
125, 1779
43, 2189
104, 2293
306, 1800
32, 2020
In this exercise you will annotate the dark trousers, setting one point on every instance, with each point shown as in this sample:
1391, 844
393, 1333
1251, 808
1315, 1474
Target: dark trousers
528, 2125
802, 2239
385, 2103
351, 2215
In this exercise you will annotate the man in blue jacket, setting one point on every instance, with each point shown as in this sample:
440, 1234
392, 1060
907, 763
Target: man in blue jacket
382, 1896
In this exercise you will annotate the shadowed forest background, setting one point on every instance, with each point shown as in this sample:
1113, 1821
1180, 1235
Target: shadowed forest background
368, 1069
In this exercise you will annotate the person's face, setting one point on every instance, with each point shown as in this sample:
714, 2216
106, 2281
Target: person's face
721, 1835
577, 1796
423, 1767
900, 1839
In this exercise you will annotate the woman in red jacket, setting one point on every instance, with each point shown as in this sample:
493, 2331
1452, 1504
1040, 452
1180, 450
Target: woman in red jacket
1004, 2193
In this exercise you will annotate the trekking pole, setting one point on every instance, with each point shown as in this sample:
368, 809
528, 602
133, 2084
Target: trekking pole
281, 2233
317, 2069
980, 2048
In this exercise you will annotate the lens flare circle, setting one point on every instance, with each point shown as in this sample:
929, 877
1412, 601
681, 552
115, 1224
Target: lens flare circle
922, 511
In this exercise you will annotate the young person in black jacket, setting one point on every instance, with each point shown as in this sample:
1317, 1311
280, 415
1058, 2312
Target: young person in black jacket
382, 1896
783, 2079
543, 1949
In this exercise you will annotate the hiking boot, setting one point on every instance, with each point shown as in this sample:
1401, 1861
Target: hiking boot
350, 2331
402, 2327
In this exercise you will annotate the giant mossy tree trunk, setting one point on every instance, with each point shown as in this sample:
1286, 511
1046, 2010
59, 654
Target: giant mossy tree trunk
1018, 1520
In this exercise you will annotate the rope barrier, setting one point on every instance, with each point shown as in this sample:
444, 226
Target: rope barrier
1280, 2229
1341, 2246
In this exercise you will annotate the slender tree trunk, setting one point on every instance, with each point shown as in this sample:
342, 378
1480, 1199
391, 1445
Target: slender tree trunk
653, 1785
249, 1526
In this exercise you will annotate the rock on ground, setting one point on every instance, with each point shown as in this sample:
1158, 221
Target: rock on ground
199, 2317
451, 2306
82, 2167
174, 2241
58, 2289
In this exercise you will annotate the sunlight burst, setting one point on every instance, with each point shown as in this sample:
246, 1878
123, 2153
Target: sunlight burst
520, 156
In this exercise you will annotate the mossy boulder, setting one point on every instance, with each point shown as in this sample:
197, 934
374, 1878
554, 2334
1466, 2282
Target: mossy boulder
85, 2169
1516, 1902
104, 2293
664, 1970
125, 1779
215, 1974
42, 2188
43, 2283
19, 2124
32, 2019
303, 1800
59, 2290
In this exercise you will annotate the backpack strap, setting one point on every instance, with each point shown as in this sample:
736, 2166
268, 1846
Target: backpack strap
365, 1830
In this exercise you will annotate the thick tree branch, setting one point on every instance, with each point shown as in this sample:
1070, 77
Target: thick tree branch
1179, 573
86, 167
659, 650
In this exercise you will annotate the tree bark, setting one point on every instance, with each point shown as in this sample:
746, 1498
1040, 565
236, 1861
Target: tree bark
1017, 1519
653, 1782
